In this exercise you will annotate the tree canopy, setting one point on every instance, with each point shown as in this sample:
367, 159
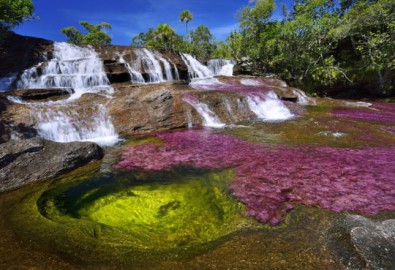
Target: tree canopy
95, 34
14, 12
321, 43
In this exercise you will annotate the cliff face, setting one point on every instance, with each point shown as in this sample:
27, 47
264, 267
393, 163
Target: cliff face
19, 52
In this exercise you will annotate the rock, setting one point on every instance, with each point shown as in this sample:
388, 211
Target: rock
32, 160
18, 53
364, 243
116, 72
40, 94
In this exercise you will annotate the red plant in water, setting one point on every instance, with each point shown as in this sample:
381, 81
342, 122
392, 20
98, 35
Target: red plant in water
381, 112
271, 180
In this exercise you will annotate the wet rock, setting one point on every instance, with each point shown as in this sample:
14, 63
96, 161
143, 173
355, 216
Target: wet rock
41, 94
31, 160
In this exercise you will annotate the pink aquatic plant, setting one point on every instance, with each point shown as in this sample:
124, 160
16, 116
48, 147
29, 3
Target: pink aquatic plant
271, 180
381, 112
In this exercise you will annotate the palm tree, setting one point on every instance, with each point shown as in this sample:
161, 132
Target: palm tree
186, 16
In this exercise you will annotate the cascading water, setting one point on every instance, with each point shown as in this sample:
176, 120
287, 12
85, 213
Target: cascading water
72, 67
150, 62
210, 119
63, 123
221, 67
136, 76
5, 82
81, 70
269, 107
303, 98
195, 69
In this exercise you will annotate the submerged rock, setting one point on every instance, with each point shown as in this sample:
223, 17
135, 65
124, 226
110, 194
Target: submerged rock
31, 160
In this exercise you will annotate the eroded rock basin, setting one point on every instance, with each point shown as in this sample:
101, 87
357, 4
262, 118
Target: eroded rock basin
312, 193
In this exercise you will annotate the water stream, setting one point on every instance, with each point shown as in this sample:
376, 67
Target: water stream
81, 71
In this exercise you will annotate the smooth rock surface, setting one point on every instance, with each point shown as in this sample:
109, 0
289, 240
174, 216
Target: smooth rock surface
31, 160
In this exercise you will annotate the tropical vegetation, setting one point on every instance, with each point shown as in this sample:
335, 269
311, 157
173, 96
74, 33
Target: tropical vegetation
95, 34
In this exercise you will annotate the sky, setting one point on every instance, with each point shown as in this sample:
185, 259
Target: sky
130, 17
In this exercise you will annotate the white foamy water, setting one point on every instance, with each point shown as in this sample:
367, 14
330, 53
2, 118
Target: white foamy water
221, 67
5, 82
150, 62
195, 68
63, 124
79, 69
71, 67
269, 107
303, 98
210, 119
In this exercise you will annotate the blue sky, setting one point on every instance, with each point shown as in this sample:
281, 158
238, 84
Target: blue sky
130, 17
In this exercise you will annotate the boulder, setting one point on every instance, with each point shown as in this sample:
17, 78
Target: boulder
32, 160
40, 94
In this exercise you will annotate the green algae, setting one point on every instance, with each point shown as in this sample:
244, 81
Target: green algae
156, 210
94, 219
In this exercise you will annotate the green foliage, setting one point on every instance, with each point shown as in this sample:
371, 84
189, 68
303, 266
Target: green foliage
202, 42
14, 12
95, 34
320, 43
162, 37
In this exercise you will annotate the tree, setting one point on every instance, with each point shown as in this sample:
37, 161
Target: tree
202, 42
162, 37
14, 12
186, 16
95, 34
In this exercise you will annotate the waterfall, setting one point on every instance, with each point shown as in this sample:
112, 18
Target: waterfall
5, 82
196, 70
268, 107
136, 77
176, 72
149, 62
72, 67
303, 98
61, 123
79, 69
210, 119
221, 67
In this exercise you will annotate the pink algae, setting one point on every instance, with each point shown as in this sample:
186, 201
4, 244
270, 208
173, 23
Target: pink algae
272, 180
380, 112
